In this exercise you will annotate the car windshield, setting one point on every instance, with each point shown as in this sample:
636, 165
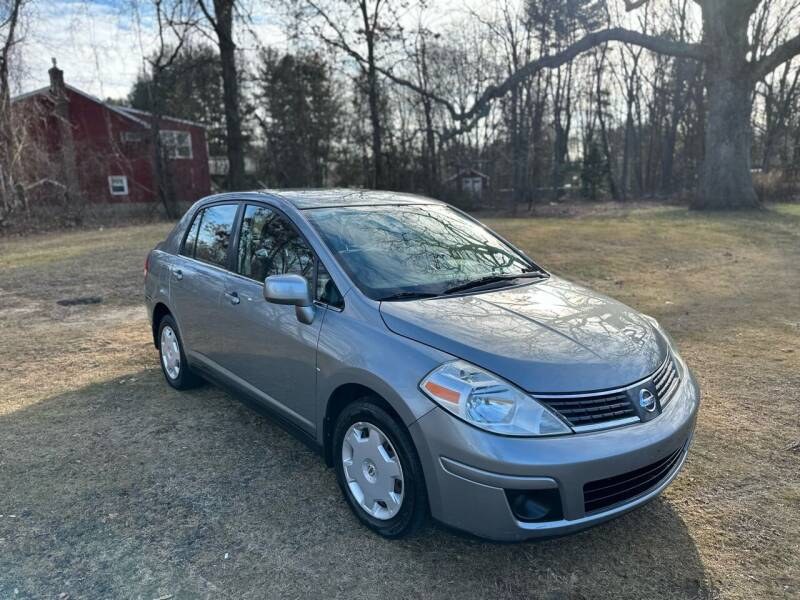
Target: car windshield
407, 251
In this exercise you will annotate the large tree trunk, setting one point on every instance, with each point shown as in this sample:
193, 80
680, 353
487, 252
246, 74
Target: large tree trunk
373, 95
725, 179
431, 168
375, 122
516, 152
230, 94
233, 121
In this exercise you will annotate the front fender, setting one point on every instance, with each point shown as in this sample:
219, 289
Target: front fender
355, 350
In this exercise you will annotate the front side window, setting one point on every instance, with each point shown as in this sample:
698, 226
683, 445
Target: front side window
176, 144
270, 245
414, 249
326, 291
214, 234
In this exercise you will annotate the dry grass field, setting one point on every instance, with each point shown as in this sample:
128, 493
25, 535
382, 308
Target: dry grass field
112, 485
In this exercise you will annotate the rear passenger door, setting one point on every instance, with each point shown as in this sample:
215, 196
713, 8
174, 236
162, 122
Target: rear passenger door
197, 281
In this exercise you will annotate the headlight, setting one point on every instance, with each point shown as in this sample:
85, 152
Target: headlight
488, 402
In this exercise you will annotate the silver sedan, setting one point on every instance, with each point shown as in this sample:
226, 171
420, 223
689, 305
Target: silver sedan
438, 369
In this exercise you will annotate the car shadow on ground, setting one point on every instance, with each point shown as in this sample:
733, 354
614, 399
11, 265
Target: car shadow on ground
128, 488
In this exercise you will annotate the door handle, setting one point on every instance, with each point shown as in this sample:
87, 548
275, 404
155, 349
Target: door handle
233, 297
178, 274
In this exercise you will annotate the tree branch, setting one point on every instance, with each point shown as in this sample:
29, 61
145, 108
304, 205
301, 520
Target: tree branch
785, 52
207, 14
589, 41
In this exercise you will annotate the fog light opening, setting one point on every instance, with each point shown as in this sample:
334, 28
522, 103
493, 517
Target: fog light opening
535, 506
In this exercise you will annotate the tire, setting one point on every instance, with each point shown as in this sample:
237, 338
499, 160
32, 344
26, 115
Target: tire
173, 359
371, 474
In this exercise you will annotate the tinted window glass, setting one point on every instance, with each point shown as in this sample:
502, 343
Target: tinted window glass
327, 292
214, 234
269, 245
191, 237
388, 250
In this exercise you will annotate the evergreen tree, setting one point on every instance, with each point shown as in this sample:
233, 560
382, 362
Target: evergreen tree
593, 169
299, 118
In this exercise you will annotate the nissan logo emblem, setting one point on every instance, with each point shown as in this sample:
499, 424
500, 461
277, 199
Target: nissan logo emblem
647, 400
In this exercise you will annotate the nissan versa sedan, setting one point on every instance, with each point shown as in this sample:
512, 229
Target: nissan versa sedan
438, 369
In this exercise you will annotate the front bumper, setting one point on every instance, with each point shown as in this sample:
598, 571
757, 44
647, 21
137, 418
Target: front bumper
468, 470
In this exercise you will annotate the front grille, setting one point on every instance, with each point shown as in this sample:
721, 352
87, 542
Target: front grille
666, 381
591, 410
605, 493
587, 412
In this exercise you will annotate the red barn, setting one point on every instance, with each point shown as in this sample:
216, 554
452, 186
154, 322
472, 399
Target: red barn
106, 151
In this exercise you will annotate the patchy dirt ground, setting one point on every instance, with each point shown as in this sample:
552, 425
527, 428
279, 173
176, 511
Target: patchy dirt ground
114, 486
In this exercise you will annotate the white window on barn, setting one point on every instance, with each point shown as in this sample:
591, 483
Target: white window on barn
177, 144
118, 185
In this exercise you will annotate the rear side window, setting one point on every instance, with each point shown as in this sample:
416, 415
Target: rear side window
191, 237
213, 234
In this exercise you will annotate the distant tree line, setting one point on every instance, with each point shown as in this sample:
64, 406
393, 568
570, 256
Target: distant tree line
620, 99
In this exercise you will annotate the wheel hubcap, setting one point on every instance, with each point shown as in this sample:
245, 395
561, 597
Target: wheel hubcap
372, 470
170, 353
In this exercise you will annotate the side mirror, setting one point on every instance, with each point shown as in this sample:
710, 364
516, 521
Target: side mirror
292, 290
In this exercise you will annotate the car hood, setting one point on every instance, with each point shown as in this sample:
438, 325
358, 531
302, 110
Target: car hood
551, 336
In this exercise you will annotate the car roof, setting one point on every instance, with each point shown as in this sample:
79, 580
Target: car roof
305, 199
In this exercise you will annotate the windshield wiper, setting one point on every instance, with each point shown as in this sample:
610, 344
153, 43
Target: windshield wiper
408, 296
490, 279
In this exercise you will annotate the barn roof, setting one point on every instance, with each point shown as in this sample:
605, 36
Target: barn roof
131, 114
136, 112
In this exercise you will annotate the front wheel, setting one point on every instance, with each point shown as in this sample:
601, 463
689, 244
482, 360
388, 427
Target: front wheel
379, 471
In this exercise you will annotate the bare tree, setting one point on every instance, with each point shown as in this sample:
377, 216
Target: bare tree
174, 23
779, 95
358, 28
10, 11
599, 97
733, 67
630, 58
421, 56
220, 15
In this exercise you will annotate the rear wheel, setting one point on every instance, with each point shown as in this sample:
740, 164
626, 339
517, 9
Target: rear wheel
172, 357
378, 470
